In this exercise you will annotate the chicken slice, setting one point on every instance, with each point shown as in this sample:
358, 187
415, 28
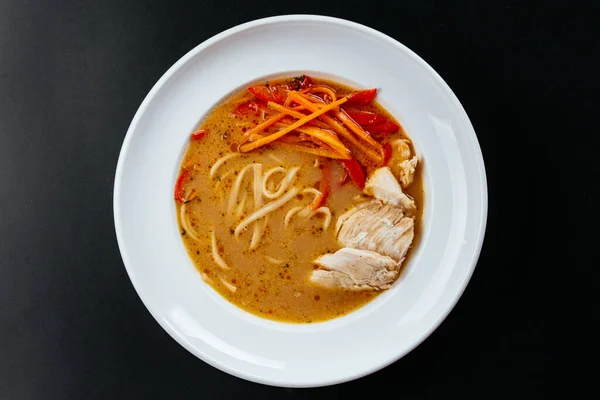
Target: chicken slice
403, 148
383, 186
355, 269
377, 227
406, 170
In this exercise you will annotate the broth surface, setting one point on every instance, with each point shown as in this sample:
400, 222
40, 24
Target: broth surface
271, 281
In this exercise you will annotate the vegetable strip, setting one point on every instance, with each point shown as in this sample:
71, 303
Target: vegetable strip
337, 127
268, 139
318, 151
326, 137
357, 129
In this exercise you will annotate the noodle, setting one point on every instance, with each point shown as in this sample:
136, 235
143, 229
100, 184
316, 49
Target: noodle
311, 191
215, 252
206, 278
227, 284
303, 211
274, 260
290, 214
259, 227
184, 223
267, 209
221, 180
258, 202
220, 162
275, 158
283, 185
326, 212
239, 210
236, 187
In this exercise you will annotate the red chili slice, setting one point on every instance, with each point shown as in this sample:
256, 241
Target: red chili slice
199, 134
325, 186
356, 172
385, 128
252, 107
262, 92
387, 154
280, 92
179, 185
362, 97
365, 117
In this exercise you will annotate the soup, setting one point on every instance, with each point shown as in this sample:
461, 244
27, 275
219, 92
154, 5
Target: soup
299, 199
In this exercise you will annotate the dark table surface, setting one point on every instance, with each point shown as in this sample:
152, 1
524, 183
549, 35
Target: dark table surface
72, 75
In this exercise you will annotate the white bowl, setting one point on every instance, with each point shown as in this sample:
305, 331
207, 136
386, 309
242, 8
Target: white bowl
324, 353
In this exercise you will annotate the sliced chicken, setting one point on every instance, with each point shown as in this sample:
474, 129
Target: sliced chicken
403, 149
402, 164
406, 170
355, 269
378, 227
383, 186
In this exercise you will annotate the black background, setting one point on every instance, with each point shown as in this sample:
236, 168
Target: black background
72, 75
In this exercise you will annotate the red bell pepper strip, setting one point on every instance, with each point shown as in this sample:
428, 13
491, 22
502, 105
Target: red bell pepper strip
362, 97
356, 172
324, 187
262, 92
199, 134
252, 107
385, 128
179, 185
365, 117
387, 154
280, 92
300, 83
344, 178
305, 82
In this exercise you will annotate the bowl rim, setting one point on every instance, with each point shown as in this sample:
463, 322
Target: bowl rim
478, 157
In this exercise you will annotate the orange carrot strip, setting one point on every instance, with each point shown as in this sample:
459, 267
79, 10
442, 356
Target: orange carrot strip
353, 126
339, 128
329, 138
326, 136
322, 138
323, 134
286, 110
266, 140
357, 129
319, 151
314, 122
255, 136
261, 127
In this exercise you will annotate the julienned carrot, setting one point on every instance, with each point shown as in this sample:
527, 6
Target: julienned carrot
327, 137
321, 138
255, 136
337, 127
261, 127
286, 110
302, 139
254, 145
315, 122
357, 129
318, 151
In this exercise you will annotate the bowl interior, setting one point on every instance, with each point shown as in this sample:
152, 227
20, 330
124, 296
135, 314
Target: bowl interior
312, 354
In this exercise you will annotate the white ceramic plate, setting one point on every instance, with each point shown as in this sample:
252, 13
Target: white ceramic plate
369, 338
